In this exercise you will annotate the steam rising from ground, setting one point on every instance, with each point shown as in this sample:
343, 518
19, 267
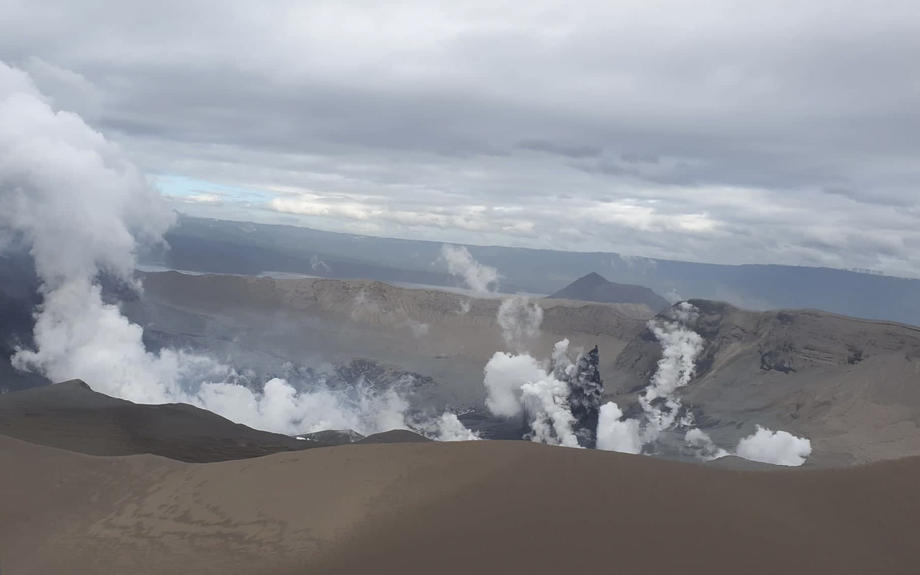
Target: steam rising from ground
518, 384
551, 419
82, 208
504, 375
545, 393
479, 278
662, 410
614, 433
680, 347
449, 428
776, 447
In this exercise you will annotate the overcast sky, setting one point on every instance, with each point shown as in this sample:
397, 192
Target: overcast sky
729, 132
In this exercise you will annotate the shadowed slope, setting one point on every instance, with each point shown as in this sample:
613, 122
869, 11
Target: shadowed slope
71, 416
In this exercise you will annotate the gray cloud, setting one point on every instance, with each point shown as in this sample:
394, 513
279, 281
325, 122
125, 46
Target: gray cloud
770, 132
572, 151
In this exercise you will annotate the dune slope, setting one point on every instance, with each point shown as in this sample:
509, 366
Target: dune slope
485, 507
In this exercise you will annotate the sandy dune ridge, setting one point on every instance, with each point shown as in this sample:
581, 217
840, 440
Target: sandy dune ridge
488, 507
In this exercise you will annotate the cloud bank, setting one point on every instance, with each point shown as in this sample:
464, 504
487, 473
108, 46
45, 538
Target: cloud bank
712, 141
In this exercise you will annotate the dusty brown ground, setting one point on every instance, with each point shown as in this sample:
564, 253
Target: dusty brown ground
486, 507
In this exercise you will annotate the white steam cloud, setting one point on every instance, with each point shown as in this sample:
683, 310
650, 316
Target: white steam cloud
71, 193
661, 408
519, 384
82, 208
505, 373
283, 409
448, 427
479, 278
616, 434
680, 347
546, 400
776, 447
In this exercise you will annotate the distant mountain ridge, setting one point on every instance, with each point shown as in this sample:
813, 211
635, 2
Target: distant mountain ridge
220, 246
594, 287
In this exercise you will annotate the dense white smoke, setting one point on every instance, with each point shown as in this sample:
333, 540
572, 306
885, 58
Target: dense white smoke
551, 419
776, 447
505, 373
479, 278
519, 384
615, 433
283, 409
661, 408
82, 208
520, 320
68, 191
680, 347
448, 427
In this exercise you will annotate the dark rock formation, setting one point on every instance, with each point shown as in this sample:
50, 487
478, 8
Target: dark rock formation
587, 390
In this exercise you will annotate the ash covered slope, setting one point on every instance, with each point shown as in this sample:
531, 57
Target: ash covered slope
449, 508
71, 416
852, 386
594, 287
